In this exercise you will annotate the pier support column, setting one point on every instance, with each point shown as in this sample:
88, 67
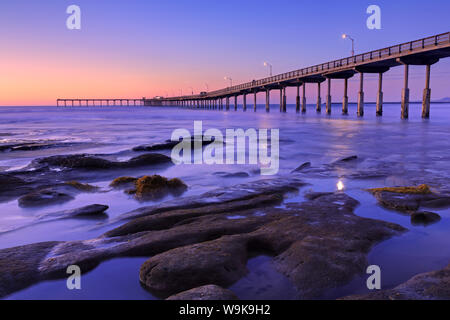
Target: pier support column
284, 100
267, 100
228, 103
380, 95
235, 102
360, 111
426, 95
254, 102
244, 102
345, 99
304, 98
297, 100
281, 99
319, 99
328, 107
405, 94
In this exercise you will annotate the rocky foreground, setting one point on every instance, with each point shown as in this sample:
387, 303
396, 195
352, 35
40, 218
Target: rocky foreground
198, 246
433, 285
193, 242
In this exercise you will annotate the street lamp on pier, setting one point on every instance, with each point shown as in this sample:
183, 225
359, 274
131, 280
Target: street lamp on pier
346, 36
266, 64
229, 79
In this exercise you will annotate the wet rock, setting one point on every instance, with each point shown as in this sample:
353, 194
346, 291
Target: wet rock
318, 244
424, 218
410, 198
8, 182
43, 198
220, 262
150, 187
94, 211
156, 187
164, 220
315, 195
433, 285
244, 191
85, 161
345, 160
32, 146
123, 182
302, 167
145, 160
421, 189
83, 187
19, 265
169, 144
12, 187
232, 174
208, 292
156, 146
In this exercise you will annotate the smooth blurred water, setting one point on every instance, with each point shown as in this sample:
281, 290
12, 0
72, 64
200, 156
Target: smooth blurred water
421, 147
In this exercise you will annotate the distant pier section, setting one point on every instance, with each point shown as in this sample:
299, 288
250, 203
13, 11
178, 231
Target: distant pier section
157, 101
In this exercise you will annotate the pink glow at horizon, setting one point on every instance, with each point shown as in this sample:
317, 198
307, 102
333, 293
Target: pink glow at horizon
138, 49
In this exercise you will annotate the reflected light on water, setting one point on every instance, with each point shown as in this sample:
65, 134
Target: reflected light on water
340, 185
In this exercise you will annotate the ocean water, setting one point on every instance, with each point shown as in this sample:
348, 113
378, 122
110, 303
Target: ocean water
420, 147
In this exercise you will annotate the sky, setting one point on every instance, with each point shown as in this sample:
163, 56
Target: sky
145, 48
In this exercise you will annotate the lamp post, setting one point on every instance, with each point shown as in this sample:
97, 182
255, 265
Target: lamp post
346, 36
266, 64
192, 90
207, 87
231, 80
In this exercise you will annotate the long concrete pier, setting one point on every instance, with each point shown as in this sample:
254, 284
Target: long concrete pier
424, 52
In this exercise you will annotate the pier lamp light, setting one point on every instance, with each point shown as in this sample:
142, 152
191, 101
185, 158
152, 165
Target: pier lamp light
346, 36
207, 87
229, 79
266, 64
192, 90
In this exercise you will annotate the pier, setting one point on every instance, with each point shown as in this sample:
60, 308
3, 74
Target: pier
108, 102
424, 52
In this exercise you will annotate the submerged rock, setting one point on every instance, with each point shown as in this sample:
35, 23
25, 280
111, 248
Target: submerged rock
169, 144
424, 218
9, 182
315, 195
302, 167
94, 211
433, 285
84, 187
232, 174
32, 146
208, 292
156, 146
43, 198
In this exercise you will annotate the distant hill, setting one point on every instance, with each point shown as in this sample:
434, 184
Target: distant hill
447, 99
